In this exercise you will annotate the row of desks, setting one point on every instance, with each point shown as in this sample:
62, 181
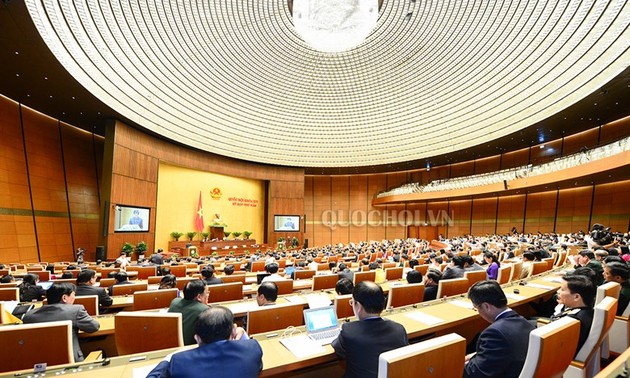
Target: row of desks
422, 320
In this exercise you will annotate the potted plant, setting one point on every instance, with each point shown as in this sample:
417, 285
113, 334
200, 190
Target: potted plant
236, 234
227, 234
191, 235
247, 234
141, 249
176, 235
205, 235
127, 248
295, 242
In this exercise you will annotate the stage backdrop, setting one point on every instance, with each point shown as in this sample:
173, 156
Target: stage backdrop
240, 203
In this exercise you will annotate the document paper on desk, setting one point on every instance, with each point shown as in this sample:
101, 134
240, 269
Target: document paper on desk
318, 300
302, 346
424, 318
142, 372
538, 286
463, 304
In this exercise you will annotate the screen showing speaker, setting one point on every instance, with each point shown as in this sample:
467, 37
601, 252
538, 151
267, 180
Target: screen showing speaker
286, 223
131, 218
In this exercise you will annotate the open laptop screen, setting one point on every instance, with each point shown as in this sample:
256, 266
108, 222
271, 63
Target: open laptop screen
319, 319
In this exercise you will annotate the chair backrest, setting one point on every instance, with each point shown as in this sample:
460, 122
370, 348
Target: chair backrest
105, 271
273, 318
9, 284
89, 302
303, 274
144, 331
475, 276
74, 272
225, 292
153, 299
144, 272
128, 289
538, 267
549, 261
323, 266
602, 321
258, 266
562, 259
517, 270
25, 345
450, 287
388, 265
153, 280
392, 274
181, 282
34, 268
234, 278
422, 268
403, 295
370, 275
178, 270
43, 275
284, 286
609, 289
10, 294
342, 306
551, 349
505, 272
106, 282
439, 357
326, 281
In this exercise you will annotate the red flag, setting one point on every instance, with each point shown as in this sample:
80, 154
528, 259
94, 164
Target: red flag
199, 216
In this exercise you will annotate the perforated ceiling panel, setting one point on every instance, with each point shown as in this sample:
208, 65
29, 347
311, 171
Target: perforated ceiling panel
233, 77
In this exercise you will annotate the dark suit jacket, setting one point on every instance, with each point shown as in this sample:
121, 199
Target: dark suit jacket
361, 342
59, 311
430, 293
104, 299
585, 316
221, 359
501, 348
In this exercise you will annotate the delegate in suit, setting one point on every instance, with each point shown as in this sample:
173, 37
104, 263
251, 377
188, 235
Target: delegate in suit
502, 346
360, 343
60, 307
85, 286
224, 350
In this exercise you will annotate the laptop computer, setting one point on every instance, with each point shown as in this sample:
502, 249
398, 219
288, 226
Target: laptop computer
261, 276
321, 324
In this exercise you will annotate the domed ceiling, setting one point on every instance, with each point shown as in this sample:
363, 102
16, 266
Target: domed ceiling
233, 77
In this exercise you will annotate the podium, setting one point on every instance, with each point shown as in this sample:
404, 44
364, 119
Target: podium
216, 232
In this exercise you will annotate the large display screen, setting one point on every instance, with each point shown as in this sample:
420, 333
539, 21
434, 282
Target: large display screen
131, 218
290, 223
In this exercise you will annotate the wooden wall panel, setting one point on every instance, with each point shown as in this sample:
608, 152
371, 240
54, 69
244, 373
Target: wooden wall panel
395, 180
340, 202
309, 210
395, 222
573, 210
375, 226
48, 186
515, 159
616, 130
17, 230
540, 212
575, 143
437, 216
489, 164
466, 168
484, 216
459, 218
511, 213
548, 152
83, 195
611, 206
325, 217
358, 206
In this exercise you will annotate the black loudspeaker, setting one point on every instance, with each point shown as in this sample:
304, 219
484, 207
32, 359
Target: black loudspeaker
100, 253
505, 185
305, 243
304, 222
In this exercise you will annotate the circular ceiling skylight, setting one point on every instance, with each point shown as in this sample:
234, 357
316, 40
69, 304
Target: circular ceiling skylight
233, 77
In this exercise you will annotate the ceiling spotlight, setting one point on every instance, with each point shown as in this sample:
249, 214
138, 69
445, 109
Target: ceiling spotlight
408, 16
